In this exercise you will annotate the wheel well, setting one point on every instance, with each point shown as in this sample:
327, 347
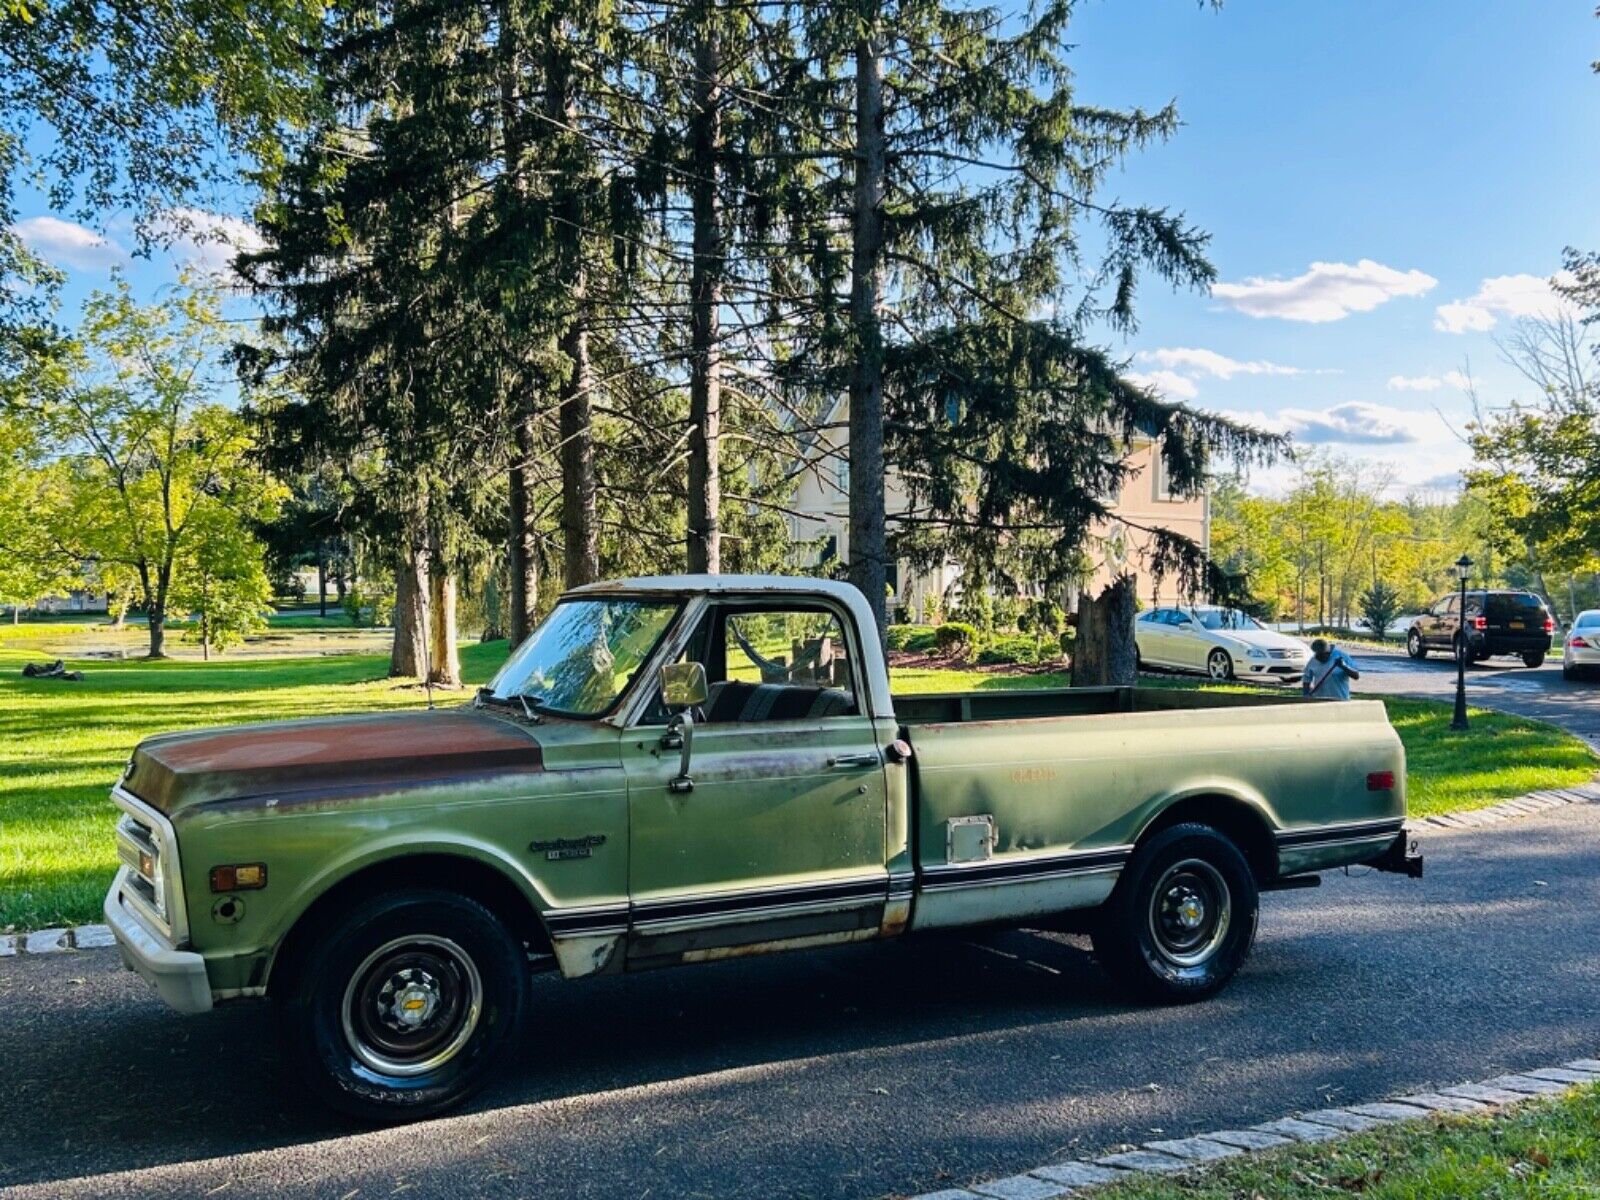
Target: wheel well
1232, 818
448, 872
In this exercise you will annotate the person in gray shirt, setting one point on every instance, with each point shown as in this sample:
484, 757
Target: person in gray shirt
1328, 672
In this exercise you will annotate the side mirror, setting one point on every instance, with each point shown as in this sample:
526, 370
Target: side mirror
683, 686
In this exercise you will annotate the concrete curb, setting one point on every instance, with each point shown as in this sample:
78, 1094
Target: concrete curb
1517, 806
60, 940
1076, 1178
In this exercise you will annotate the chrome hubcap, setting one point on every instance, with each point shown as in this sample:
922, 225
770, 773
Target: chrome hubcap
1190, 911
411, 1005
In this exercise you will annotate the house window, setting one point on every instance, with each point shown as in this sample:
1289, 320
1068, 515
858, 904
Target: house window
841, 472
1161, 481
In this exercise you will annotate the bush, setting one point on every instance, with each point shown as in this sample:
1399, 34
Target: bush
907, 637
956, 639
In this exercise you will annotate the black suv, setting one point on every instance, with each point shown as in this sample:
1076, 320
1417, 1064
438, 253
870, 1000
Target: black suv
1497, 623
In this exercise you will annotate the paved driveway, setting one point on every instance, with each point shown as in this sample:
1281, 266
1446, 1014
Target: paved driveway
851, 1073
1501, 683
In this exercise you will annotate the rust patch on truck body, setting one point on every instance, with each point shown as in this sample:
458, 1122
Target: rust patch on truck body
302, 761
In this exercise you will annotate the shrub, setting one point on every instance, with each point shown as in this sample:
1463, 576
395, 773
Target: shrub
905, 637
956, 639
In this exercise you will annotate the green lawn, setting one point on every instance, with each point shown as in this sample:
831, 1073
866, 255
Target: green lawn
63, 744
1542, 1149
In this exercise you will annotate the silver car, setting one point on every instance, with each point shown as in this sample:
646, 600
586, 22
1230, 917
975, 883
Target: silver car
1580, 654
1223, 643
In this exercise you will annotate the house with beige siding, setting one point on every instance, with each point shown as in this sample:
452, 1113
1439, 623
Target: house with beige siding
820, 517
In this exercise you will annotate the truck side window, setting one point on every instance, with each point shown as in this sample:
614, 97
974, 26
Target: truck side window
781, 665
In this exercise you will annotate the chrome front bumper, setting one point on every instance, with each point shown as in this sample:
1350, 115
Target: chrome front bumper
179, 976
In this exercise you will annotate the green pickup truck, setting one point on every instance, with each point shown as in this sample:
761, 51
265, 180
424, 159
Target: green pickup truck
686, 769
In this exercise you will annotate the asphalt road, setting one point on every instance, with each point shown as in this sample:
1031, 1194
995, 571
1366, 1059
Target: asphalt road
850, 1073
1500, 683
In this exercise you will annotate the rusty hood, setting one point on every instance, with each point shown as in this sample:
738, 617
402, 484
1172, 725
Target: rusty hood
326, 757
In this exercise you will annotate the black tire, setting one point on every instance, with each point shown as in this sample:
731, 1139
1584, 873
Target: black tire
1219, 665
1144, 938
1415, 646
1533, 660
1567, 673
341, 1016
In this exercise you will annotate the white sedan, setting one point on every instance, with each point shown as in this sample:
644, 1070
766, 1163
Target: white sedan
1223, 643
1581, 653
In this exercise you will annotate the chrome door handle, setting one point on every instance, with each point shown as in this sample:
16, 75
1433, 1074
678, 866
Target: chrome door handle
847, 761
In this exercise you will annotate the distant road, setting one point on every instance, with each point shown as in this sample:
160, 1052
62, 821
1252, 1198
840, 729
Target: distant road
1500, 683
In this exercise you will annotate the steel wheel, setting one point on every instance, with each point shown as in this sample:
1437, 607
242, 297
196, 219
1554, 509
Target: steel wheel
1190, 910
412, 1004
1219, 665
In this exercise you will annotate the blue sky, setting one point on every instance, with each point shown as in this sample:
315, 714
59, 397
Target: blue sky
1444, 144
1434, 157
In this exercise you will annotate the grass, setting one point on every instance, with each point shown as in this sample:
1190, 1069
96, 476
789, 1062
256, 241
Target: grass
62, 745
1541, 1149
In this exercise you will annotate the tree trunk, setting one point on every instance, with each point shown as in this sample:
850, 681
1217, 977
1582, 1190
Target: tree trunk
409, 657
322, 581
705, 290
579, 521
157, 609
521, 562
521, 557
1103, 654
444, 657
868, 537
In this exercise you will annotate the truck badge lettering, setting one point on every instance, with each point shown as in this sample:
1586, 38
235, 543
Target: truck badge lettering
1033, 775
557, 849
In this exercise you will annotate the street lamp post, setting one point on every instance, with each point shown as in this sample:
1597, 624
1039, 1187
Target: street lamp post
1463, 570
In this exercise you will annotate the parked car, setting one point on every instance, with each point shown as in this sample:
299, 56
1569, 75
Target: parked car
1497, 622
1223, 643
1581, 652
690, 769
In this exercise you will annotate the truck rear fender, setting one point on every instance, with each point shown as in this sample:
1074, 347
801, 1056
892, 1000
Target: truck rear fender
1241, 817
469, 870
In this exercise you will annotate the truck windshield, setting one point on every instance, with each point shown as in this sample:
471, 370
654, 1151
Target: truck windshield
583, 655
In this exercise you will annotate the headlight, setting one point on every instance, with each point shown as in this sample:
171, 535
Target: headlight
1253, 653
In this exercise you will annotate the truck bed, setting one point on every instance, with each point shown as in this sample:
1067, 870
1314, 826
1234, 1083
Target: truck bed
1024, 704
1030, 802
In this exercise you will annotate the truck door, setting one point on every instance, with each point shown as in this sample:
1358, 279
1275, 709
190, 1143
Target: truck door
782, 836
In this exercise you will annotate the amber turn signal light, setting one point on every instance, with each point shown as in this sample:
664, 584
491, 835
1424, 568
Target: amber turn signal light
241, 877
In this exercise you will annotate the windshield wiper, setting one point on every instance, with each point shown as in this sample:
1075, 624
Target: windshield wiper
486, 696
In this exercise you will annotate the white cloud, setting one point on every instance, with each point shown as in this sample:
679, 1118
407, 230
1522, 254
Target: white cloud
1164, 383
1327, 292
1501, 296
1419, 450
1415, 383
1209, 362
208, 241
1356, 423
68, 244
1429, 383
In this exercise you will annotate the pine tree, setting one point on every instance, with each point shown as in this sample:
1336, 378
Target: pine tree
969, 172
